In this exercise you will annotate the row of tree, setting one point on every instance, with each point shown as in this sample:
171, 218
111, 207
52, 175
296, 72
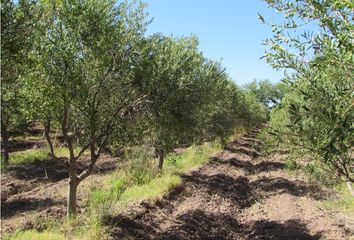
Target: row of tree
89, 68
316, 117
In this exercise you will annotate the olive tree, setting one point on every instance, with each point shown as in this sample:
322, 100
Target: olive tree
218, 115
270, 94
318, 111
85, 53
16, 27
170, 76
227, 105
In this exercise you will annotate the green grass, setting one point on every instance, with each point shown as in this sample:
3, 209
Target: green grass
152, 190
35, 235
31, 155
344, 202
28, 156
192, 157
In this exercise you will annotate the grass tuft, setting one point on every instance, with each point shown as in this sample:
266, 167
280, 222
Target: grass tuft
344, 202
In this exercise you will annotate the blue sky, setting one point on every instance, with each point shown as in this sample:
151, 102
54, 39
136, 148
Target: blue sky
227, 30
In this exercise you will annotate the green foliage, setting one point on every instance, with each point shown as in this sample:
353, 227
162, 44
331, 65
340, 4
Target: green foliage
255, 112
228, 107
316, 116
85, 72
170, 76
190, 99
291, 165
268, 93
16, 28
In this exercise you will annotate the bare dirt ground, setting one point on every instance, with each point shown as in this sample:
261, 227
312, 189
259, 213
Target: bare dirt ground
38, 190
238, 195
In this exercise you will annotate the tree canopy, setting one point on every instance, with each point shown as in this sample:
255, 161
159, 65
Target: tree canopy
316, 116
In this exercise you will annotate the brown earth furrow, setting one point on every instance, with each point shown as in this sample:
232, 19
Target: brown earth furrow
237, 195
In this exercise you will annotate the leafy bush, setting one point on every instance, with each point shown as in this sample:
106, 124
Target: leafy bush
291, 165
141, 170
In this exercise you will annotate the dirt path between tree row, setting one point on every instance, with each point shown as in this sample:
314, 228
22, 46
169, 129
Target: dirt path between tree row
237, 195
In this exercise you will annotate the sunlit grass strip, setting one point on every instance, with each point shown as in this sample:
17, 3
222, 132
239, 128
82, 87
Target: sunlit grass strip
152, 190
35, 235
39, 154
192, 157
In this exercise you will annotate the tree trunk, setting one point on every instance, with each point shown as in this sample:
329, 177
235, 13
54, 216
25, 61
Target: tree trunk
73, 180
71, 199
349, 185
5, 143
47, 137
161, 159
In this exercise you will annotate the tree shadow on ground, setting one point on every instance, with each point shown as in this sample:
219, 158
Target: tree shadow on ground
238, 190
279, 184
199, 224
251, 168
289, 230
241, 149
53, 170
266, 166
22, 145
283, 185
19, 206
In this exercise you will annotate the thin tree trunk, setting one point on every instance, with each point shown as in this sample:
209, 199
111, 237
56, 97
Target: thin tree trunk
350, 188
161, 159
71, 198
47, 137
73, 181
5, 143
